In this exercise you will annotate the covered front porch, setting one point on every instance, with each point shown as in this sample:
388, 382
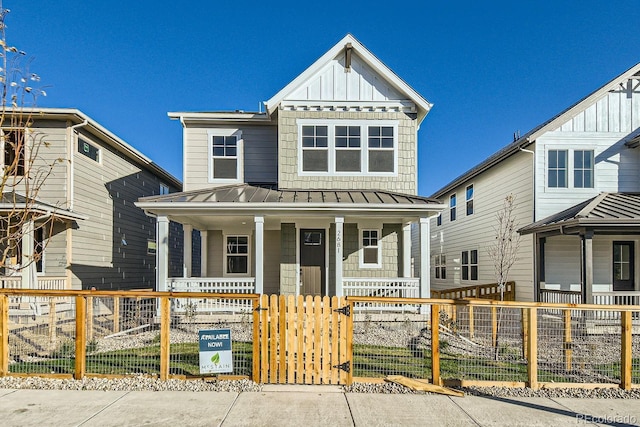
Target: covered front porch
588, 253
297, 242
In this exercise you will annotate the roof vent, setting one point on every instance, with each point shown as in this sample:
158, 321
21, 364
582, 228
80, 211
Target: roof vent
347, 57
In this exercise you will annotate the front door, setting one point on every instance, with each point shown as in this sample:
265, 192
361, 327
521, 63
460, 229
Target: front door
623, 262
312, 261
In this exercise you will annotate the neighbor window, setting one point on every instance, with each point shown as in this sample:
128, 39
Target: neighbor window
164, 189
347, 147
439, 219
88, 150
470, 265
14, 162
557, 169
315, 149
583, 168
440, 264
370, 248
237, 255
452, 207
224, 157
469, 194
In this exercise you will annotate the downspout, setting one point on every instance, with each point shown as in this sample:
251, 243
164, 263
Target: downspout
71, 152
536, 261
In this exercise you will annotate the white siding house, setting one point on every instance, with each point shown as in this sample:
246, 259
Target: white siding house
574, 178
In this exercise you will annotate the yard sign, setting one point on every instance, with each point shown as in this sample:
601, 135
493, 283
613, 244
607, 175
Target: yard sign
215, 351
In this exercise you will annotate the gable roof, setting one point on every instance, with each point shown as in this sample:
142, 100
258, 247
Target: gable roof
423, 106
603, 210
530, 137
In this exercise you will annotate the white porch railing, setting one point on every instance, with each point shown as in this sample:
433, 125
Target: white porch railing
600, 298
221, 285
396, 287
44, 282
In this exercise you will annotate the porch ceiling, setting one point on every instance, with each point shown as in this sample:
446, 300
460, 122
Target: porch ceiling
607, 212
242, 202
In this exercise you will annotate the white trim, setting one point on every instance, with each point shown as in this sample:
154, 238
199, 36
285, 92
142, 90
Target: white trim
406, 250
259, 254
364, 146
224, 253
425, 259
339, 251
361, 248
239, 156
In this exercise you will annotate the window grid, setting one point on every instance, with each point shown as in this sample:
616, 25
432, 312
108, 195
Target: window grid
557, 169
370, 247
469, 195
225, 146
237, 255
583, 168
470, 265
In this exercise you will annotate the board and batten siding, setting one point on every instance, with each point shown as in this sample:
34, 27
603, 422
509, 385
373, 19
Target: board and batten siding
260, 155
514, 175
109, 250
604, 126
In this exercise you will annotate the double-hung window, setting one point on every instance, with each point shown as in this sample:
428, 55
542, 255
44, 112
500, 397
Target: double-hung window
225, 156
347, 147
469, 195
470, 265
557, 169
583, 168
237, 255
370, 254
440, 264
452, 207
14, 161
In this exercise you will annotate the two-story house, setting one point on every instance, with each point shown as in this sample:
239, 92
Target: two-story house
576, 179
314, 196
82, 229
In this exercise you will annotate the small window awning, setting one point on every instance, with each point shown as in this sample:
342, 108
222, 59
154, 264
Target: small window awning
607, 212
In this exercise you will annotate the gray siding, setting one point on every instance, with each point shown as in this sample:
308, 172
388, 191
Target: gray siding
260, 155
475, 232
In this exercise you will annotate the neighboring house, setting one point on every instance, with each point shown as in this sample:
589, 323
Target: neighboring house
576, 179
98, 237
314, 196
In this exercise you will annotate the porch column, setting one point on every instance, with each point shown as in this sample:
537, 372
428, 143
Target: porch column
204, 234
259, 220
406, 250
339, 221
187, 230
162, 253
586, 266
425, 256
28, 262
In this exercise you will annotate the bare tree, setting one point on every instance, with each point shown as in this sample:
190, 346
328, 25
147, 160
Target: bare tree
24, 167
504, 253
504, 249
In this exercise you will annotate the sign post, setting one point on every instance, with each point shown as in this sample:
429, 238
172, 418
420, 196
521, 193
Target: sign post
216, 356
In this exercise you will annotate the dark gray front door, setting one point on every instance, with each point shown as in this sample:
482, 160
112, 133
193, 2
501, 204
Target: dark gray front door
623, 262
312, 261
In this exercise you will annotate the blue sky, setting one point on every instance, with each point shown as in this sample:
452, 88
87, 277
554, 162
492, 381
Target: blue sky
490, 68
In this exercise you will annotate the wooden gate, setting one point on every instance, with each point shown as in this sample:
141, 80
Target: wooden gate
304, 340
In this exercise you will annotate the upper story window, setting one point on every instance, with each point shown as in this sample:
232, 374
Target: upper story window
13, 147
370, 254
439, 219
225, 156
557, 169
347, 147
452, 207
164, 189
583, 168
469, 195
89, 150
470, 265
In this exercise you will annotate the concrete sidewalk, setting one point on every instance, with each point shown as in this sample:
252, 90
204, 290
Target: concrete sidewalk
301, 406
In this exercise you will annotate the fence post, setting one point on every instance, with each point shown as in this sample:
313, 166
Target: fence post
81, 337
165, 325
435, 344
52, 320
471, 322
494, 325
567, 346
89, 319
349, 341
532, 347
4, 335
525, 332
116, 315
255, 359
625, 353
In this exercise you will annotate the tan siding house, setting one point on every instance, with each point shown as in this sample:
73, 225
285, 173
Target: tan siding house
316, 195
99, 237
